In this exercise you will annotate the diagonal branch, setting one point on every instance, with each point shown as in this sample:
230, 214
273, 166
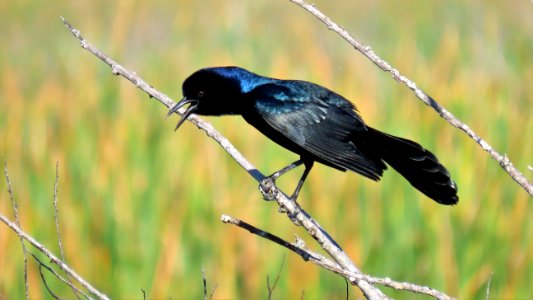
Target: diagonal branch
367, 51
305, 255
326, 263
267, 186
53, 258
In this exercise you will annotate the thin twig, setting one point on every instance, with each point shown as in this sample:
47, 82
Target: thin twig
53, 258
41, 264
213, 291
367, 51
17, 221
487, 291
347, 290
56, 213
204, 280
56, 219
271, 288
46, 283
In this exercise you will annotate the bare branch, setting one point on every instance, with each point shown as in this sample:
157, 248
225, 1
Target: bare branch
367, 51
204, 280
53, 258
303, 254
328, 264
17, 221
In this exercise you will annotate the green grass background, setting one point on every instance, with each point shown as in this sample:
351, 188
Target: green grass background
140, 205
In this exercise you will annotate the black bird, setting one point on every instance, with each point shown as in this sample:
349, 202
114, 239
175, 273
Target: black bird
316, 123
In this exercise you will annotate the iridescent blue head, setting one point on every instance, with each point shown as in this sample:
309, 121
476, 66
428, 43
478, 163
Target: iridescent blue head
217, 91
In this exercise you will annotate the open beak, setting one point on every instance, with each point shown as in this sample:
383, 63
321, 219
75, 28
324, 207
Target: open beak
188, 111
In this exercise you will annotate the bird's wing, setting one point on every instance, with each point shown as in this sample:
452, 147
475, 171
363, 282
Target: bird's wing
318, 120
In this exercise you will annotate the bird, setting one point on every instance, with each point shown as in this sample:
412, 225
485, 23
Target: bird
316, 123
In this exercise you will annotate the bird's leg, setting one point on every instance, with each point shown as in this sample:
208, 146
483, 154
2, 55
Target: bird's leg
269, 182
308, 166
277, 174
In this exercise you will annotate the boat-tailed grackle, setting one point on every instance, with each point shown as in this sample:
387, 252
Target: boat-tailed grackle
315, 123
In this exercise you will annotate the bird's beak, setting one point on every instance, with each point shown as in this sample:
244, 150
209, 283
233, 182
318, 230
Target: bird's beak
192, 107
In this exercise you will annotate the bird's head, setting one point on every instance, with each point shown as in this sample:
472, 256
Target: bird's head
215, 91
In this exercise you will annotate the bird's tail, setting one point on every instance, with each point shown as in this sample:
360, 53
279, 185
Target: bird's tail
419, 166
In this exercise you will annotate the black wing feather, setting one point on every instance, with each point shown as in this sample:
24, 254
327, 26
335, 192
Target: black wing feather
321, 124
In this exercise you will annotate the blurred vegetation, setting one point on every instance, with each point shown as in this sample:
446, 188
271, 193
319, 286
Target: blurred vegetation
140, 204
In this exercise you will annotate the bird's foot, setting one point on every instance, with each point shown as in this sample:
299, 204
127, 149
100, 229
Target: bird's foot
267, 186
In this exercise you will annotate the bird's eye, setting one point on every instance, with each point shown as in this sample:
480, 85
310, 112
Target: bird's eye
200, 94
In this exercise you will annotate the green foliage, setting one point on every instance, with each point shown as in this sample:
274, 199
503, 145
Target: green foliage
140, 204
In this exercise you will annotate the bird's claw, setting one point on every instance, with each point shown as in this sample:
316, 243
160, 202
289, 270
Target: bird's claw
267, 186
